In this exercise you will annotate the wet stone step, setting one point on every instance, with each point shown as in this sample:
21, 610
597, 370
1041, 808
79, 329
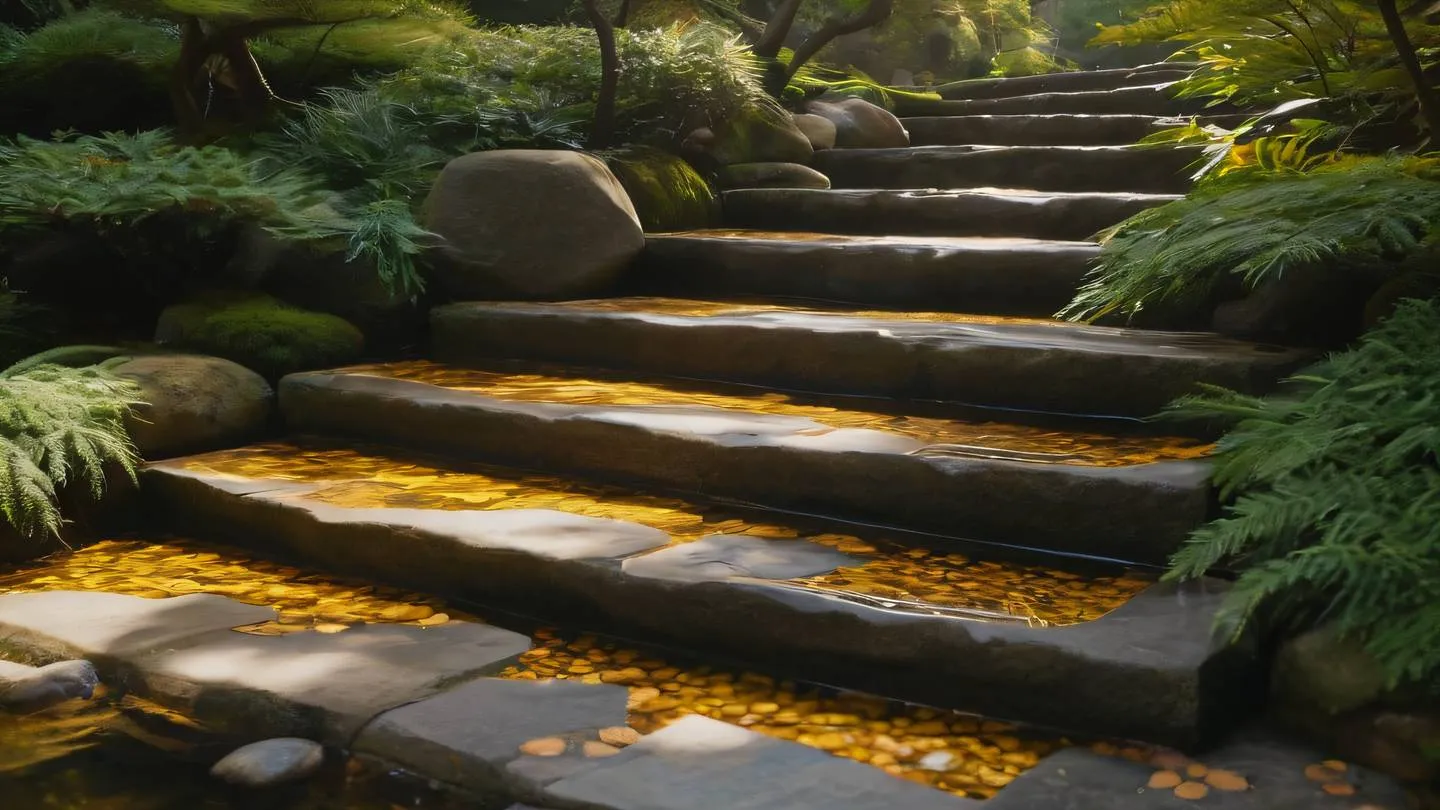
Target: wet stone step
971, 274
1153, 99
962, 754
1147, 668
982, 212
1036, 130
1011, 362
1134, 169
987, 480
1089, 80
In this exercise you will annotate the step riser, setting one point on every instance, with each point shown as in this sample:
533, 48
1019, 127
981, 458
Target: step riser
1063, 508
1034, 130
1080, 82
890, 359
1154, 101
1037, 282
921, 214
1154, 171
1146, 671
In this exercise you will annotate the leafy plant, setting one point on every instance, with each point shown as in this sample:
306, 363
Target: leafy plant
1334, 497
263, 334
1261, 221
59, 426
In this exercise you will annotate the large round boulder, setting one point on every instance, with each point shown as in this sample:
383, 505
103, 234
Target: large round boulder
530, 223
752, 135
820, 130
194, 403
860, 124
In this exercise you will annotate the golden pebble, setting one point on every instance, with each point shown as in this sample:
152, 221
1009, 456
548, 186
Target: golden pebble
929, 728
619, 735
666, 674
544, 747
734, 710
765, 707
599, 749
661, 704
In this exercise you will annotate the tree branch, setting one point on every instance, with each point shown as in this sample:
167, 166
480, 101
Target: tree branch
604, 125
876, 12
772, 39
1424, 93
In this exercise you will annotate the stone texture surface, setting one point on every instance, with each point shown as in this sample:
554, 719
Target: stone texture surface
726, 556
270, 763
1159, 170
468, 735
960, 212
1011, 276
1076, 779
1150, 99
71, 624
1080, 81
1046, 366
30, 689
1034, 130
498, 213
194, 403
820, 130
1330, 673
755, 137
770, 175
703, 764
860, 124
1149, 669
865, 474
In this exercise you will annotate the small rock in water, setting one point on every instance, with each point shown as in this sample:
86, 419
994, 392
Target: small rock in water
936, 761
30, 689
270, 762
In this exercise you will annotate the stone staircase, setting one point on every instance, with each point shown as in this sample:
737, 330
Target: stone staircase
959, 502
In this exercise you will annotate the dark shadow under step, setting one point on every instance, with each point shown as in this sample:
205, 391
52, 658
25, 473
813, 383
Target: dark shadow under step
985, 212
1155, 170
1030, 364
1008, 276
1145, 668
992, 481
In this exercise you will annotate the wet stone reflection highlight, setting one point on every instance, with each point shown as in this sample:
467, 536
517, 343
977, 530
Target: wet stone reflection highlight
907, 578
572, 387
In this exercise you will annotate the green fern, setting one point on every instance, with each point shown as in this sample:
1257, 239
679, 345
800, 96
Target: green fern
1260, 222
1334, 493
59, 427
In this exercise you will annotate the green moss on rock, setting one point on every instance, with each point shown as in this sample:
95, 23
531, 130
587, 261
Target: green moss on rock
667, 192
260, 333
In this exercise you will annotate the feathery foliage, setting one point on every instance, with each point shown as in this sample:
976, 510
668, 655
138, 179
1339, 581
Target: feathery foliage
58, 426
1366, 214
1334, 497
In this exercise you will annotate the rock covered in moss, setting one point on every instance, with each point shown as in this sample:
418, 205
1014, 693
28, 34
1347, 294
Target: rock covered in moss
860, 124
757, 135
771, 175
530, 223
260, 333
667, 192
192, 403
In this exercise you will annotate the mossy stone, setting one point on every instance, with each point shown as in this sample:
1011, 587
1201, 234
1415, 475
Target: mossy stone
667, 192
260, 333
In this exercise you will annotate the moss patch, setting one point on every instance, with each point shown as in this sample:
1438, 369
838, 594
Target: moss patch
668, 194
261, 333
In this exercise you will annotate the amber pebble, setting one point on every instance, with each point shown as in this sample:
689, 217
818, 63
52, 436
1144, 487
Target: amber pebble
666, 674
1338, 788
1191, 790
331, 628
1007, 744
1226, 780
1195, 770
734, 710
662, 704
544, 747
830, 741
1164, 780
929, 728
641, 695
1320, 773
881, 759
599, 749
764, 707
1336, 765
406, 613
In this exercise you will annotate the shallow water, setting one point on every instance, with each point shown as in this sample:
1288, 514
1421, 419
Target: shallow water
85, 754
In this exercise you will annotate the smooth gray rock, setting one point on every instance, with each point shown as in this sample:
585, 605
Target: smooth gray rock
701, 764
1323, 672
820, 130
724, 556
467, 735
192, 403
269, 763
30, 689
770, 175
860, 124
74, 624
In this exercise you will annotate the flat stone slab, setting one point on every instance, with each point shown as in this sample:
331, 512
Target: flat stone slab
703, 764
1072, 129
982, 212
870, 475
1148, 669
1040, 365
56, 625
728, 556
970, 274
1152, 169
1148, 99
1077, 779
469, 735
1079, 81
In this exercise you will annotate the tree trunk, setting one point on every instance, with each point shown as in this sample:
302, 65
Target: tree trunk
622, 17
772, 39
604, 128
250, 84
1429, 100
876, 12
188, 117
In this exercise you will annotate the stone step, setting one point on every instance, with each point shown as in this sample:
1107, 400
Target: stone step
969, 274
1008, 362
1125, 657
1153, 99
1080, 81
1154, 170
1000, 482
1036, 130
990, 212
